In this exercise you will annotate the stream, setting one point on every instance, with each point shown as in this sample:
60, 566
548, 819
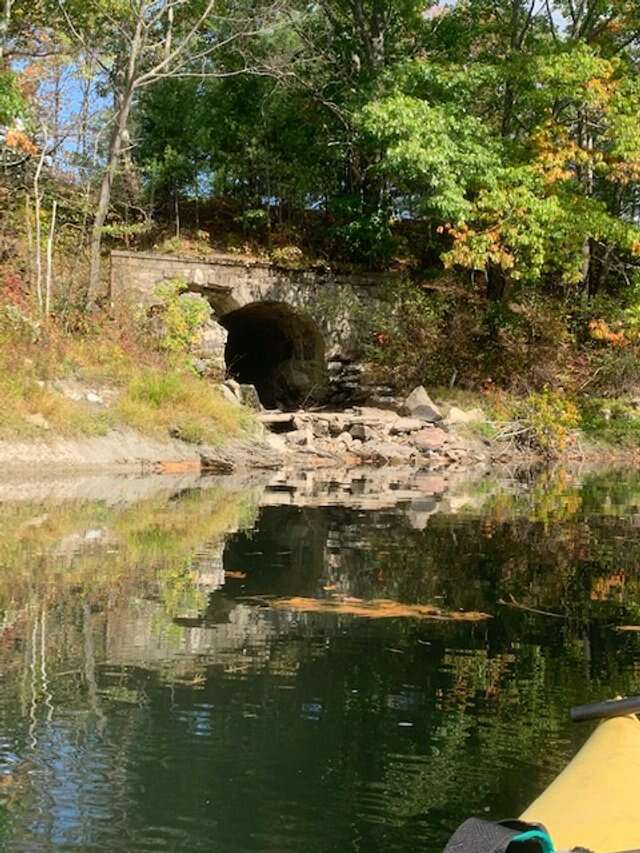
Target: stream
215, 665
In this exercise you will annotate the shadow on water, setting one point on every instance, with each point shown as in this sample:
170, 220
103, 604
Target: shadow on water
163, 688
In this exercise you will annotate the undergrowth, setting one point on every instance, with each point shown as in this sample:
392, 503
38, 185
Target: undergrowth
110, 373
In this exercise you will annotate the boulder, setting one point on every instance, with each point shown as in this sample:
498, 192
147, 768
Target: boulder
402, 426
276, 442
300, 437
385, 453
249, 397
458, 416
228, 394
429, 439
234, 387
361, 431
320, 427
345, 438
420, 405
337, 425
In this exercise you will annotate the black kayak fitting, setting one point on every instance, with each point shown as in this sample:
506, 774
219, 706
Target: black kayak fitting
508, 836
604, 710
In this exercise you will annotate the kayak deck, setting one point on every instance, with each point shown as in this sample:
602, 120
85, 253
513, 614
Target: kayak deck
595, 801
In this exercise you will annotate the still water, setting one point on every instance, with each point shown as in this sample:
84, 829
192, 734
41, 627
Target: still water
177, 673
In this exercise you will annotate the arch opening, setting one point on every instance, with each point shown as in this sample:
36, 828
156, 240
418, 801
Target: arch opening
279, 351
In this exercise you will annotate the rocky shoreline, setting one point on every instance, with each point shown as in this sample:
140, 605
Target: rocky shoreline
418, 436
415, 433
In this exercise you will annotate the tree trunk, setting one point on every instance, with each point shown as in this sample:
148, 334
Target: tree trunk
49, 275
586, 264
115, 146
37, 202
497, 283
5, 20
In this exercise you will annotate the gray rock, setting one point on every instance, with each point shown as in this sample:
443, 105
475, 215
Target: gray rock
249, 397
457, 416
300, 437
429, 439
320, 427
386, 452
228, 394
345, 438
387, 401
361, 431
420, 405
403, 426
234, 387
336, 426
276, 442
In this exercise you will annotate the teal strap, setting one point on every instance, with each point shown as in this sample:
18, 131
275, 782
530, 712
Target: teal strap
539, 835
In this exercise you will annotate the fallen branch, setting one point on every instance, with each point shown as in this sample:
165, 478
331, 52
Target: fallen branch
516, 605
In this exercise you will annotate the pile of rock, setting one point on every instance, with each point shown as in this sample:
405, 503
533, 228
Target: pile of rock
418, 435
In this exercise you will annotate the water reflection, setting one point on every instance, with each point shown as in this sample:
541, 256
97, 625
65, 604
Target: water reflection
152, 698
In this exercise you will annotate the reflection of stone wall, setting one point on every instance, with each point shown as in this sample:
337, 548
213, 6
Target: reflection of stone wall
142, 634
340, 305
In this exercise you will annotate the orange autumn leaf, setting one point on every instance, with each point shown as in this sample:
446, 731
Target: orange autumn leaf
601, 331
19, 141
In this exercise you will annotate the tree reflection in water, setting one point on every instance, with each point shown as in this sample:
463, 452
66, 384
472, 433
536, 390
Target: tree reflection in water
153, 699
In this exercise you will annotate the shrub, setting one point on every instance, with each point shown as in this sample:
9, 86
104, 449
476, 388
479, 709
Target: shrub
611, 422
548, 418
181, 317
288, 256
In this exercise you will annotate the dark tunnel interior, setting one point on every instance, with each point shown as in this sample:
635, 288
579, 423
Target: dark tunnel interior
278, 350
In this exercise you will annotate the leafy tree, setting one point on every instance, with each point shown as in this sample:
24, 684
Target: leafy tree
136, 45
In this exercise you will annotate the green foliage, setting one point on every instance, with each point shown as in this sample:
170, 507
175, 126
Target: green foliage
611, 422
434, 334
125, 230
155, 388
364, 237
404, 336
174, 402
288, 256
550, 417
435, 153
254, 220
12, 104
181, 316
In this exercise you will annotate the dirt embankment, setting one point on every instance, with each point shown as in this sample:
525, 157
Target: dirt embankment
358, 437
126, 449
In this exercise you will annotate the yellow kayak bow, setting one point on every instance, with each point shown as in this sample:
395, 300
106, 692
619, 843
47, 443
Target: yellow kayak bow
595, 801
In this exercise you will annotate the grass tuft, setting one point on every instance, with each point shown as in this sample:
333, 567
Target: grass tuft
139, 386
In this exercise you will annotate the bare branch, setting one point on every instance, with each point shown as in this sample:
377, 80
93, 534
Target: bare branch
181, 47
81, 40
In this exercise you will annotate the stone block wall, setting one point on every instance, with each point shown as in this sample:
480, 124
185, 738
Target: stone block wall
338, 304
